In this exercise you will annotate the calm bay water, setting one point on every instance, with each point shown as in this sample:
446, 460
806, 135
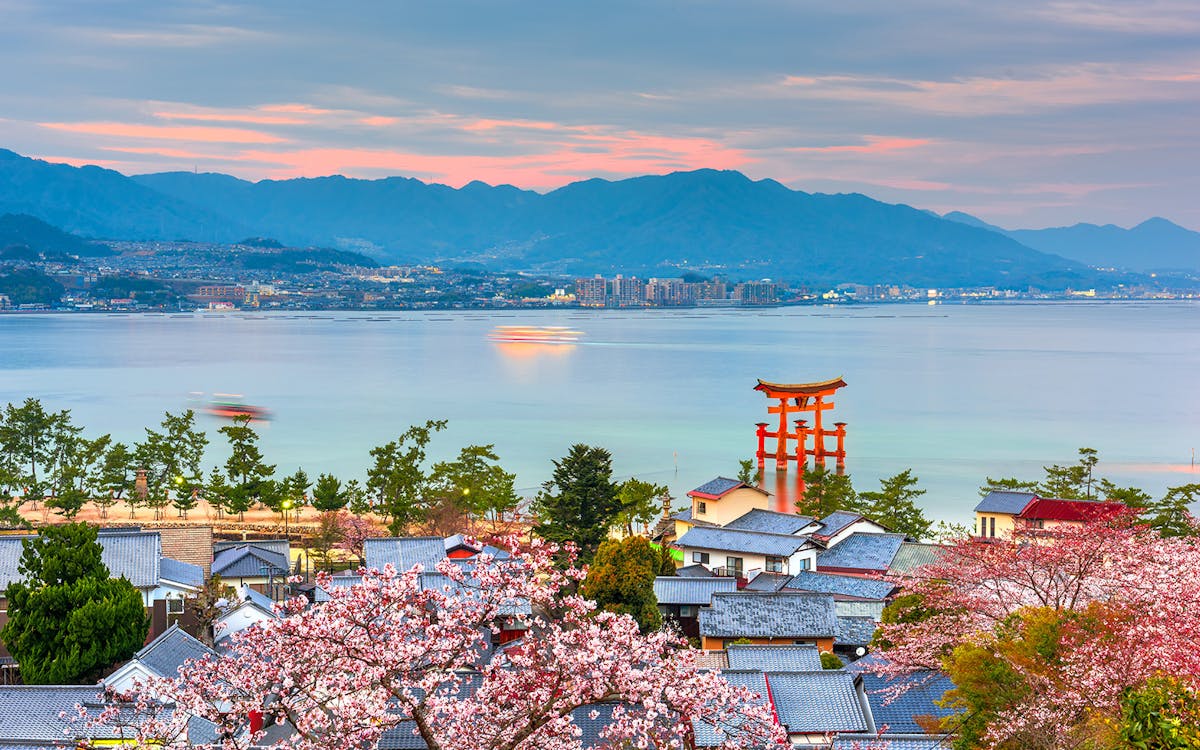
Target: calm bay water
955, 392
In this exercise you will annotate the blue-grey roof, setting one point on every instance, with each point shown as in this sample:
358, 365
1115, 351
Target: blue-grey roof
770, 521
1000, 501
899, 711
852, 742
719, 486
33, 714
404, 552
694, 571
768, 581
336, 582
778, 615
836, 521
676, 590
790, 658
180, 572
913, 555
440, 582
832, 583
167, 653
249, 561
707, 735
816, 702
278, 546
753, 542
132, 554
855, 631
872, 608
257, 598
862, 551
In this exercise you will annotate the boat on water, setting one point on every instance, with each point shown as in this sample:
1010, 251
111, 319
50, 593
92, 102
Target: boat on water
226, 406
534, 335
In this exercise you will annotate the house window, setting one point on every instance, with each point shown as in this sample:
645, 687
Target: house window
175, 605
993, 524
774, 564
700, 557
687, 610
734, 564
805, 563
701, 507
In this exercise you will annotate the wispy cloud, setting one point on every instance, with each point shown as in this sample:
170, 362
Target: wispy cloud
193, 134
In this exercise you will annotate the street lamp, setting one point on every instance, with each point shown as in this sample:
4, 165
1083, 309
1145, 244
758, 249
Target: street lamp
286, 505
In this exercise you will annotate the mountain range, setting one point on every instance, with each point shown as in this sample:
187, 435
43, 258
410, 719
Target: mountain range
715, 222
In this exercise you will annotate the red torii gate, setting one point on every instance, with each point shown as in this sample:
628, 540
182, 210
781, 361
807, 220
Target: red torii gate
798, 399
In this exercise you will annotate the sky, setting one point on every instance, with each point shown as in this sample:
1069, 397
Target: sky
1026, 114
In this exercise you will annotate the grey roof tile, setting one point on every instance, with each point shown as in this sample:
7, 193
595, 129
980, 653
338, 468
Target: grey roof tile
862, 551
677, 590
282, 547
707, 735
336, 582
404, 552
860, 608
841, 585
33, 714
836, 521
777, 615
167, 653
694, 571
855, 631
753, 542
913, 555
792, 658
817, 702
852, 742
181, 572
719, 486
768, 581
770, 521
132, 554
900, 711
249, 561
1000, 501
257, 598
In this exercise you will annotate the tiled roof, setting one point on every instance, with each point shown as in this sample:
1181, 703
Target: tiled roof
1071, 510
852, 742
862, 551
859, 608
899, 711
836, 521
770, 521
258, 599
717, 487
336, 582
181, 572
753, 542
792, 658
817, 702
404, 552
712, 660
167, 653
278, 546
694, 571
132, 554
768, 582
913, 555
1000, 501
676, 590
249, 561
831, 583
440, 582
33, 714
706, 735
778, 615
855, 631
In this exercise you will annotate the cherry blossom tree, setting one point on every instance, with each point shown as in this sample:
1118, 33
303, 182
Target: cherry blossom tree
1074, 615
395, 653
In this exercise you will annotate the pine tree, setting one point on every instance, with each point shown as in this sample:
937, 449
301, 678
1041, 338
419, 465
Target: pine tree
580, 503
894, 507
621, 579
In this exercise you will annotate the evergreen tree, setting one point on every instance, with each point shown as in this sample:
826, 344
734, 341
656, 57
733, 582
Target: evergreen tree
483, 488
894, 507
28, 435
579, 504
1006, 484
171, 459
244, 467
68, 619
116, 477
328, 494
748, 472
640, 503
621, 579
824, 492
399, 480
1172, 516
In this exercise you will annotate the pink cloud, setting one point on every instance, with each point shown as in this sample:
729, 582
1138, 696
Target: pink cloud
378, 121
300, 109
875, 144
485, 124
247, 117
193, 134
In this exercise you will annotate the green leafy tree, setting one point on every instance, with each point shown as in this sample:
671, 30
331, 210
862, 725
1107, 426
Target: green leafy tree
399, 480
894, 506
580, 503
1006, 484
1134, 497
28, 433
1163, 714
295, 488
824, 492
245, 467
328, 494
68, 619
171, 461
357, 499
116, 477
81, 477
1073, 482
640, 503
328, 534
621, 579
666, 563
1171, 515
483, 487
748, 472
830, 660
218, 492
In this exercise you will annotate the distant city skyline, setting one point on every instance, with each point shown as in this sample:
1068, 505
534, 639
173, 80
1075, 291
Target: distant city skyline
1026, 114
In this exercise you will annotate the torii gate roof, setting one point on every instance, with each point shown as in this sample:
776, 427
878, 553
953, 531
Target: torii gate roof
824, 387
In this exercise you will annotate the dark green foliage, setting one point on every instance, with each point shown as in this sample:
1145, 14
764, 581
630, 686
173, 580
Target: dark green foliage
1163, 714
244, 467
640, 503
27, 286
171, 459
824, 492
580, 503
40, 237
621, 579
1171, 515
1006, 484
748, 472
666, 563
68, 620
830, 660
328, 494
399, 480
894, 506
477, 482
1071, 482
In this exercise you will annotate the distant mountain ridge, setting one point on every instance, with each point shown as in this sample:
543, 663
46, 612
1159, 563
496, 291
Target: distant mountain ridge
1154, 245
705, 220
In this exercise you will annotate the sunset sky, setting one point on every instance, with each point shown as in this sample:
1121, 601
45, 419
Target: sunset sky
1026, 114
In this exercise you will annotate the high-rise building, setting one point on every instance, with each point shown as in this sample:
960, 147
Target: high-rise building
627, 292
591, 292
